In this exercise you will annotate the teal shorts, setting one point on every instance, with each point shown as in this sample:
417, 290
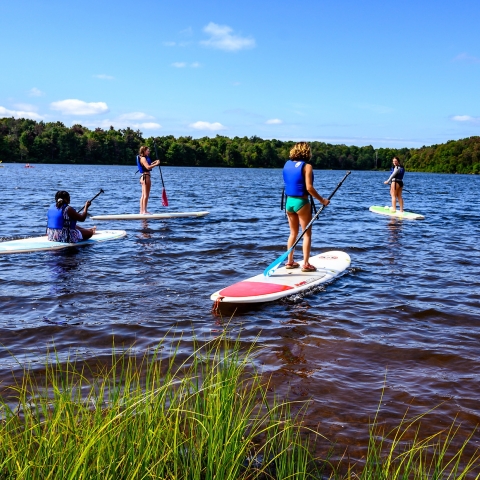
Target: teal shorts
294, 204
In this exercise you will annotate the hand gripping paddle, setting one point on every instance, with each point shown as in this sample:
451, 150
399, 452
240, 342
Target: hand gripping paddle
91, 200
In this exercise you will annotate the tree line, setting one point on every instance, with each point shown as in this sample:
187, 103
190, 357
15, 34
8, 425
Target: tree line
25, 140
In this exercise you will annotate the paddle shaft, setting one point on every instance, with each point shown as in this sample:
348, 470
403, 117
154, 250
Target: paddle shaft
319, 212
99, 193
160, 170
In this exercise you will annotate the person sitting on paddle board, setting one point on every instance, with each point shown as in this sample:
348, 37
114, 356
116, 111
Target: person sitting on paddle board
62, 219
298, 179
145, 166
396, 177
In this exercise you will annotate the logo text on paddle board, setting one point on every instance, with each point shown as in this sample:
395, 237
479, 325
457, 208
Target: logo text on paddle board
306, 282
329, 257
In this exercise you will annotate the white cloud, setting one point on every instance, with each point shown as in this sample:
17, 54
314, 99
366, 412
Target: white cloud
465, 118
35, 92
185, 64
102, 76
274, 121
135, 116
5, 112
212, 127
464, 57
126, 120
221, 37
79, 107
26, 107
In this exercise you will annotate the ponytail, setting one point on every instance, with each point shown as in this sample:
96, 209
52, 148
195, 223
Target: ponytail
62, 198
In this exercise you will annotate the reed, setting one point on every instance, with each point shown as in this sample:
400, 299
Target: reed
209, 416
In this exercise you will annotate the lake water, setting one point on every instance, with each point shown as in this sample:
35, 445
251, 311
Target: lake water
405, 316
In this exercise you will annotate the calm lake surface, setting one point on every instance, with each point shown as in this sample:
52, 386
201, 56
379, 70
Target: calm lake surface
404, 317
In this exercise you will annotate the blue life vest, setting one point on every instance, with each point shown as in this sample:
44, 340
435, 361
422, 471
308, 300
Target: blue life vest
141, 168
55, 218
294, 180
400, 173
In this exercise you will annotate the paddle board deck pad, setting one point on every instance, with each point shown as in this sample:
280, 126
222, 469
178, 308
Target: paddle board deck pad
284, 282
397, 213
153, 216
26, 245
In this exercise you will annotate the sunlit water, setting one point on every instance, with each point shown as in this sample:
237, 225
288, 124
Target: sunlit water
406, 315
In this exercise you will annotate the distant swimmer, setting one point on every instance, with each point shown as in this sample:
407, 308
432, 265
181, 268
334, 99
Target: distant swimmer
298, 179
62, 221
145, 166
396, 177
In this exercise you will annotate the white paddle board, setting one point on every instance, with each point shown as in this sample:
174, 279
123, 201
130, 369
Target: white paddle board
284, 282
41, 243
397, 213
153, 216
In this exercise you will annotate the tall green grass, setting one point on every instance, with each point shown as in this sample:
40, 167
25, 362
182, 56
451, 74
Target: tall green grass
207, 417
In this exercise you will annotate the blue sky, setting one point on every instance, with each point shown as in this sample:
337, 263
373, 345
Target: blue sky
381, 73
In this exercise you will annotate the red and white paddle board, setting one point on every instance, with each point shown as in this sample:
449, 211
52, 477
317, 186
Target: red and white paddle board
284, 282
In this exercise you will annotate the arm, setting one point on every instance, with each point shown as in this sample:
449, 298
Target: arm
79, 217
148, 167
308, 172
393, 175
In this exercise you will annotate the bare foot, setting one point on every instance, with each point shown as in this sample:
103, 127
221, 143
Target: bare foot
94, 229
148, 213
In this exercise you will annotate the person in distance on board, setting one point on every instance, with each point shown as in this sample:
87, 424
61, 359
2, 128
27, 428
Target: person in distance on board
396, 177
145, 166
298, 179
62, 220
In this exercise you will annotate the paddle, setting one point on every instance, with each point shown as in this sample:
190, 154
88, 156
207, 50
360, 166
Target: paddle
91, 200
275, 264
164, 192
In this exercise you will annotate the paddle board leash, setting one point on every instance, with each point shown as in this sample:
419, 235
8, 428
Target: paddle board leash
276, 263
92, 199
164, 192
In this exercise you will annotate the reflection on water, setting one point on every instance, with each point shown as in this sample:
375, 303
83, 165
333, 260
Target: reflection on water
408, 307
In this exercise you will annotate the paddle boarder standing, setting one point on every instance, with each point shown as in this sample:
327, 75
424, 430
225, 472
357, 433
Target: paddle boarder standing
145, 166
62, 219
298, 178
396, 177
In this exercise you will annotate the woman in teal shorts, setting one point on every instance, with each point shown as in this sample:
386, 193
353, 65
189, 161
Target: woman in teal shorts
298, 178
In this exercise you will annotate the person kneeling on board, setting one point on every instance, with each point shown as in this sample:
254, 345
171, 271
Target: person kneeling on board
62, 219
298, 178
396, 177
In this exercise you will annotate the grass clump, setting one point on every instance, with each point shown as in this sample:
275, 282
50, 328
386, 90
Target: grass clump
206, 417
151, 418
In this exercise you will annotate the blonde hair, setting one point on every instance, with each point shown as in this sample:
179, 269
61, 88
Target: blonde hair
143, 151
301, 151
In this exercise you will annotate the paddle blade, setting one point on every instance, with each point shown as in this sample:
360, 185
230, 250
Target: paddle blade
164, 198
276, 263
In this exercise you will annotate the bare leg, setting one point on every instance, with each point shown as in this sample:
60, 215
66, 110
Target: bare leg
400, 198
305, 215
87, 232
294, 225
393, 195
148, 184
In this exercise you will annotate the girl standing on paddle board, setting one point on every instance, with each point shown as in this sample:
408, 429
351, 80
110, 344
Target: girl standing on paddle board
396, 177
298, 178
62, 220
145, 166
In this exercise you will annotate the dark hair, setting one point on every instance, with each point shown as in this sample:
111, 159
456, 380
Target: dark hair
399, 161
62, 198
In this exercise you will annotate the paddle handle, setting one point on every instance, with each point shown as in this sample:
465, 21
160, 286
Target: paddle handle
320, 211
156, 154
92, 199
